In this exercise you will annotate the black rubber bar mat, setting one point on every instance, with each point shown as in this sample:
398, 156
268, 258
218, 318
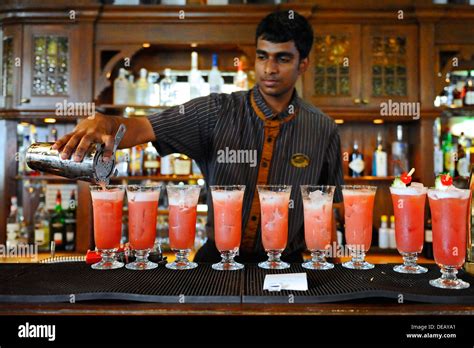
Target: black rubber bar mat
341, 284
38, 283
63, 282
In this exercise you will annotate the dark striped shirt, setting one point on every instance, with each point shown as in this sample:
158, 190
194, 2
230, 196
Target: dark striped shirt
205, 127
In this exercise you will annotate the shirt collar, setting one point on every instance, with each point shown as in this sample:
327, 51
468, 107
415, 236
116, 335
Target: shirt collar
267, 111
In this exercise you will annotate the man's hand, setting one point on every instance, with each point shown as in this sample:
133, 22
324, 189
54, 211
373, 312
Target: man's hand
95, 129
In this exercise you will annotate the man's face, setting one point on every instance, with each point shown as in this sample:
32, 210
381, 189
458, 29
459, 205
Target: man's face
277, 66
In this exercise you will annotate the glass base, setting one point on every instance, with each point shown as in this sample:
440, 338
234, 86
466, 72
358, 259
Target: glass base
274, 265
227, 266
448, 279
318, 265
449, 284
105, 265
274, 261
181, 265
141, 266
108, 260
410, 269
363, 265
409, 264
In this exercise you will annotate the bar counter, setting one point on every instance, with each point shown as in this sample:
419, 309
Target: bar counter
239, 305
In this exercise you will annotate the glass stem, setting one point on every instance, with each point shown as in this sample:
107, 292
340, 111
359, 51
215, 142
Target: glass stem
358, 256
274, 256
318, 256
108, 255
182, 256
228, 256
142, 255
449, 273
410, 259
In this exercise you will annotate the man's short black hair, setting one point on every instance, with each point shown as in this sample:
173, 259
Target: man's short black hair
284, 26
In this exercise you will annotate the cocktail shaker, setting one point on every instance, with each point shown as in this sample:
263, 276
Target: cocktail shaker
41, 156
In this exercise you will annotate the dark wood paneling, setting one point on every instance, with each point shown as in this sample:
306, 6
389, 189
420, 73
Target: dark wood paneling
8, 169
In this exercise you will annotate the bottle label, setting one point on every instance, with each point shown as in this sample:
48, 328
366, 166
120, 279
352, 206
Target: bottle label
357, 165
182, 167
381, 163
152, 164
39, 235
58, 238
70, 237
429, 236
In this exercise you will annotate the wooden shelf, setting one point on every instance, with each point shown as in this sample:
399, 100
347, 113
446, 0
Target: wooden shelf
175, 178
134, 106
369, 178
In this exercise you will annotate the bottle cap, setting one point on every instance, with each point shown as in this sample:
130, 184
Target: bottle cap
392, 218
384, 218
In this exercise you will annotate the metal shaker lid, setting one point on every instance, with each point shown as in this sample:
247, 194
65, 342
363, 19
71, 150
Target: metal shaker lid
104, 170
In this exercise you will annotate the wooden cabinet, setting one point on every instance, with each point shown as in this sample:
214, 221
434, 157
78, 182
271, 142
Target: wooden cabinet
362, 65
11, 65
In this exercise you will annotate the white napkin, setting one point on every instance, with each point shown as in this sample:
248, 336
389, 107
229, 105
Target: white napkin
288, 281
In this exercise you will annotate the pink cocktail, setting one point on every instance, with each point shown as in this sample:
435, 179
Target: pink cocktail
358, 212
274, 200
107, 206
183, 200
142, 212
227, 202
449, 214
317, 207
409, 211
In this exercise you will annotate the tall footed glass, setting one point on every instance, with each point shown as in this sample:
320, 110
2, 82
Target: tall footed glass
142, 212
358, 212
107, 203
317, 207
409, 210
449, 215
274, 200
227, 202
183, 200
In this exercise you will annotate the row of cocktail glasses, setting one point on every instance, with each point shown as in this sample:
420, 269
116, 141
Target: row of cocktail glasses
449, 219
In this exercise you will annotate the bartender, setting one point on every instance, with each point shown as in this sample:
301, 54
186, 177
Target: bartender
294, 142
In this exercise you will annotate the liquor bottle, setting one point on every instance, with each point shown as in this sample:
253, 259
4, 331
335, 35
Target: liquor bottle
437, 157
57, 225
70, 223
241, 79
167, 89
42, 231
428, 244
356, 164
122, 161
141, 95
469, 89
13, 224
153, 89
462, 161
450, 154
23, 168
121, 88
132, 90
53, 136
458, 94
166, 165
136, 161
215, 79
151, 163
339, 227
399, 154
384, 238
379, 162
195, 77
392, 242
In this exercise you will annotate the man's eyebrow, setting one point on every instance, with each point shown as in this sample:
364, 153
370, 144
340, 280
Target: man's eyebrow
278, 54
